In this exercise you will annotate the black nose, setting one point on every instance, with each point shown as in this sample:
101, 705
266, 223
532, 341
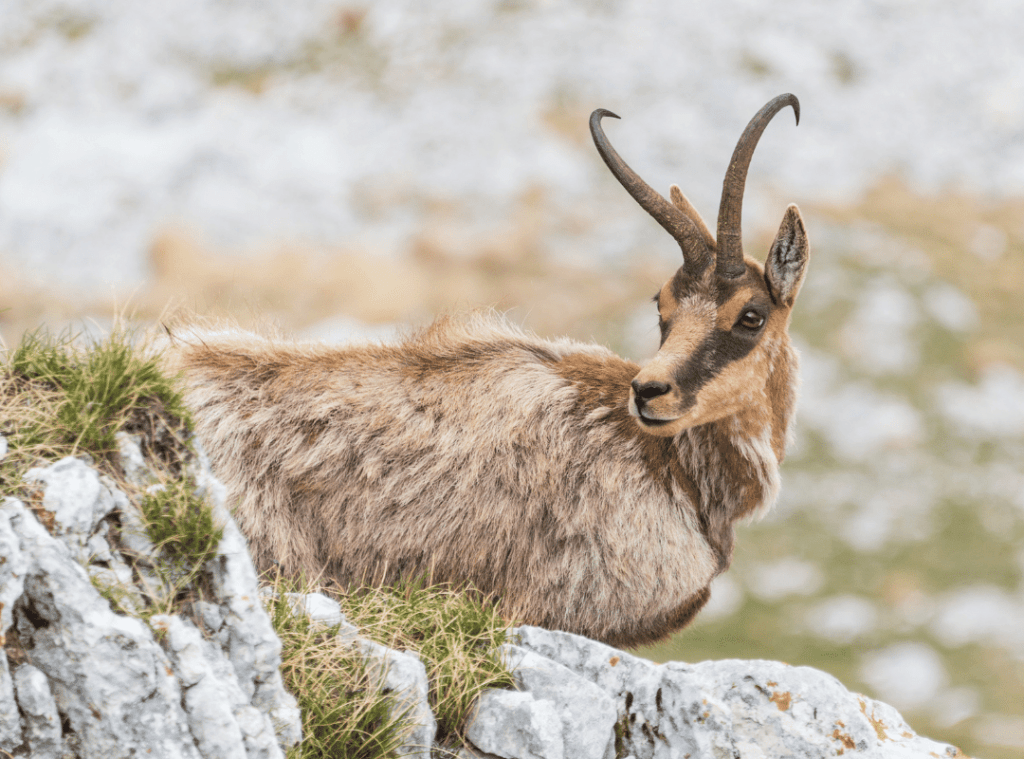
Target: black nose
649, 390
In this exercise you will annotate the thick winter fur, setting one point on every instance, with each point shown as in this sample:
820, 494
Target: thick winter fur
479, 454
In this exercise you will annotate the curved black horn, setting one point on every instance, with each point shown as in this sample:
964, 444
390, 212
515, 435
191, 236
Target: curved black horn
729, 262
695, 253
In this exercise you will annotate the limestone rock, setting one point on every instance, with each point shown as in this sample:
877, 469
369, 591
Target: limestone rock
42, 722
133, 463
515, 725
579, 698
76, 498
220, 717
109, 677
733, 708
585, 712
317, 607
116, 688
403, 674
13, 566
10, 719
246, 634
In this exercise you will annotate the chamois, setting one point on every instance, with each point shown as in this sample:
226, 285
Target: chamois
581, 491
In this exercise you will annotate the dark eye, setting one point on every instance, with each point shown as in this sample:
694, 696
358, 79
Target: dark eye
751, 320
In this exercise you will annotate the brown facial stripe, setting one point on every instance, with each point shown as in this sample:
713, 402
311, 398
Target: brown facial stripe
683, 284
743, 299
718, 350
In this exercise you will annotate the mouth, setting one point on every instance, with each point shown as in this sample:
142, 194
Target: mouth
654, 422
647, 421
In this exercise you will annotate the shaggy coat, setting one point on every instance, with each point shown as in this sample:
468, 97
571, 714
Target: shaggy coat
478, 454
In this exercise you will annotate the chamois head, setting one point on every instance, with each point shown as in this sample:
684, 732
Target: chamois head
723, 317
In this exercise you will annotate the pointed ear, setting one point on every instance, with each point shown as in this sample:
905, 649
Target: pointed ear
683, 203
787, 261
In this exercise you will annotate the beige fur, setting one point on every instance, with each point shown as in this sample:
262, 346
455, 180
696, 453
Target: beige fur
478, 454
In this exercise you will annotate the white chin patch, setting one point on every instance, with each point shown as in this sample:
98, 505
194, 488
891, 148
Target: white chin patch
655, 422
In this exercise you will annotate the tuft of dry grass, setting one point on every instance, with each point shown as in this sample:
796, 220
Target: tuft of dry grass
456, 633
346, 714
60, 398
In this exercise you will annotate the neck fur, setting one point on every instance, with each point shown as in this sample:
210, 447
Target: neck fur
735, 467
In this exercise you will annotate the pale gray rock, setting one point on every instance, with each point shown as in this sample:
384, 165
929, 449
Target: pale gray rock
220, 717
210, 613
110, 679
208, 701
133, 463
13, 566
514, 725
39, 711
733, 708
586, 712
99, 549
10, 719
120, 692
327, 612
258, 732
472, 752
247, 634
317, 607
403, 674
76, 497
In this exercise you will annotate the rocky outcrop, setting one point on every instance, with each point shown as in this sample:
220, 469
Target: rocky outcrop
579, 699
83, 680
729, 708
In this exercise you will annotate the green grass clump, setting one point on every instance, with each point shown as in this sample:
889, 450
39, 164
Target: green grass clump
345, 714
58, 398
181, 524
455, 634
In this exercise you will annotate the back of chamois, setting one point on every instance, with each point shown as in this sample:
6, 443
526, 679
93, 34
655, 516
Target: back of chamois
581, 491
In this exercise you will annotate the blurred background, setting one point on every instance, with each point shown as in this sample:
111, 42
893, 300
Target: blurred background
341, 168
